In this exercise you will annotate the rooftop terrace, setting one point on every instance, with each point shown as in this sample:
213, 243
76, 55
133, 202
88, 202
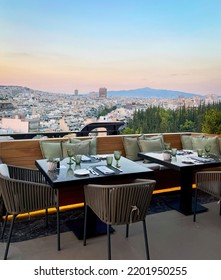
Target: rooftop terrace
172, 236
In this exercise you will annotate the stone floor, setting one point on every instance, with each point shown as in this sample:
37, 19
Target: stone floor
172, 236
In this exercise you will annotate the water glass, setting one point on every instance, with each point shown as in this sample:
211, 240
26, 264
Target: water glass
70, 154
174, 152
77, 159
199, 152
117, 156
109, 160
207, 149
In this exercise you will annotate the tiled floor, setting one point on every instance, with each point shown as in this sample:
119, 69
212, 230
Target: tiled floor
172, 236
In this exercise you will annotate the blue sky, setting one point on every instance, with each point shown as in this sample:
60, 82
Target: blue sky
65, 45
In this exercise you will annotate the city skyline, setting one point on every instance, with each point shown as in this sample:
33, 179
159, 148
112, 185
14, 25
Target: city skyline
60, 46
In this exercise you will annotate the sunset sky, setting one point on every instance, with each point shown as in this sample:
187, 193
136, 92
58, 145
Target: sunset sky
63, 45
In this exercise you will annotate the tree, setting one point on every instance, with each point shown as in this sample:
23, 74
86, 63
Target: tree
212, 122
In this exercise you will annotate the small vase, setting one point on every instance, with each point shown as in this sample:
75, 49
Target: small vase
166, 155
52, 165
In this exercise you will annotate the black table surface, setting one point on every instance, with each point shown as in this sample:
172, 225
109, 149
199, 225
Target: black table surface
181, 163
178, 162
64, 175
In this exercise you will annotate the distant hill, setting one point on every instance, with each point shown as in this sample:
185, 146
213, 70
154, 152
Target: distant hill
152, 93
140, 92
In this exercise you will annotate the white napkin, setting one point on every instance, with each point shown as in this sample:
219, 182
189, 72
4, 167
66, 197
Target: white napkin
105, 170
85, 158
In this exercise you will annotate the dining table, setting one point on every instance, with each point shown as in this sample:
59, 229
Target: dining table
186, 162
69, 178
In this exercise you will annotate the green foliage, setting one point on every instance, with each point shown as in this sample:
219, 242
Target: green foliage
105, 111
212, 122
155, 119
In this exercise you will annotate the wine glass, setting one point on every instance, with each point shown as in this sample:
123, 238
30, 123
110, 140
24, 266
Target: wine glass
70, 154
207, 149
117, 156
77, 159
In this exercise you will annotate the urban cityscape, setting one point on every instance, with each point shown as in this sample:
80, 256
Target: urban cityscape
24, 110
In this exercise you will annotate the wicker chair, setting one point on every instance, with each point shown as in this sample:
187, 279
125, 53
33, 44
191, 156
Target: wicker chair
119, 205
209, 182
25, 191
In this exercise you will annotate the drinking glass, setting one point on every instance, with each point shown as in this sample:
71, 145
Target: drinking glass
70, 154
207, 149
109, 160
199, 152
167, 146
174, 152
117, 156
77, 159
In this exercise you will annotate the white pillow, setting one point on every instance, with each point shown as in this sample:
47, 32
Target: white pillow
4, 170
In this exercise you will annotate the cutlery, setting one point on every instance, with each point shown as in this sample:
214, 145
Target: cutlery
93, 171
117, 168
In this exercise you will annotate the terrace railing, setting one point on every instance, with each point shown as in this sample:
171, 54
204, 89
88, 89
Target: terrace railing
96, 128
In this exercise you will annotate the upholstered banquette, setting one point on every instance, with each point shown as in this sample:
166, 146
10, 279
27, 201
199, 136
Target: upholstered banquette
25, 152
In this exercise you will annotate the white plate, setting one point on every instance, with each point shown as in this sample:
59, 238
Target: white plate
81, 172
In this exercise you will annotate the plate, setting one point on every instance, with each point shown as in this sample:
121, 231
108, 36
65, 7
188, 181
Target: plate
81, 172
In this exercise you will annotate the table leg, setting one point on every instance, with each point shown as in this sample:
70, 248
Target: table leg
184, 204
58, 224
186, 179
95, 226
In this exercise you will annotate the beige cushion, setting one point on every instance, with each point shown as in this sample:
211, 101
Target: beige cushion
186, 141
151, 145
131, 147
81, 148
201, 142
92, 142
4, 170
51, 149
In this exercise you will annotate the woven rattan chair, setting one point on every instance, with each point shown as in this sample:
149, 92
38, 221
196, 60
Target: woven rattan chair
209, 182
25, 191
119, 205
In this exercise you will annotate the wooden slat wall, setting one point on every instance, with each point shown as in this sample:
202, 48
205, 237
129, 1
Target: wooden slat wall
25, 152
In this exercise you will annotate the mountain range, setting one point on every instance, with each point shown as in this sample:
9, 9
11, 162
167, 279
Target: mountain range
145, 92
152, 93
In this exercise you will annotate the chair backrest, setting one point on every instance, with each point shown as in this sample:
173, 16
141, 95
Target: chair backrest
120, 204
210, 182
22, 196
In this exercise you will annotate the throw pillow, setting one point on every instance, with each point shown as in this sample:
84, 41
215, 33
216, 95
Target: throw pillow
51, 149
186, 141
151, 145
81, 148
201, 142
4, 170
155, 137
131, 147
92, 142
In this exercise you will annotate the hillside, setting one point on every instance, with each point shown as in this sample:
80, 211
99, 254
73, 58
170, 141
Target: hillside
151, 93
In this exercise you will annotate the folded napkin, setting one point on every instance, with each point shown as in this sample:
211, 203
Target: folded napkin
201, 159
105, 169
85, 158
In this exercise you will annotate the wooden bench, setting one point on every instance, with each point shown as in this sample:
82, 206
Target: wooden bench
25, 152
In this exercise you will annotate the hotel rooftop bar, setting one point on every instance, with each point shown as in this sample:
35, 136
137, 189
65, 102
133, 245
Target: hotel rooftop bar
172, 233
